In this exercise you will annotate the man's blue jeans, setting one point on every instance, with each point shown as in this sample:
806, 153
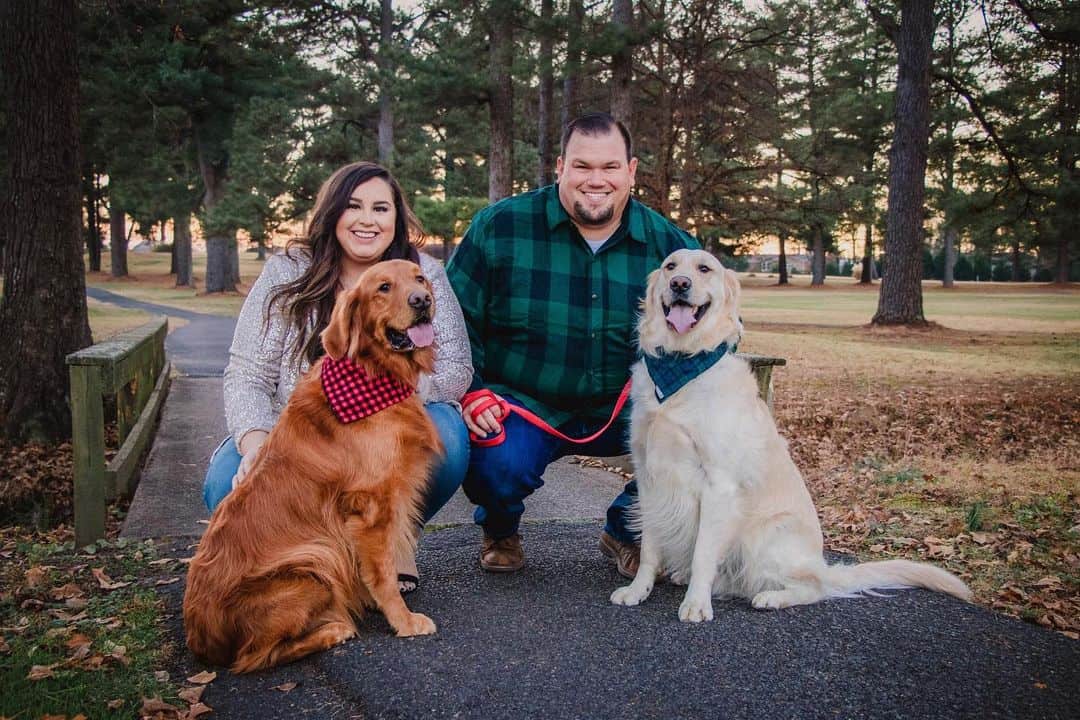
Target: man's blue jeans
502, 476
444, 482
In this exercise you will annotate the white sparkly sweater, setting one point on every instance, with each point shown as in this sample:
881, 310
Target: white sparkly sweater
261, 373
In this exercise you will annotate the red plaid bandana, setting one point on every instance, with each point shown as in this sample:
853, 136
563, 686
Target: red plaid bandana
353, 394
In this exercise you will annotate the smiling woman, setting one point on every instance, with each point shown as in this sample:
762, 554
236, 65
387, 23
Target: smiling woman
360, 219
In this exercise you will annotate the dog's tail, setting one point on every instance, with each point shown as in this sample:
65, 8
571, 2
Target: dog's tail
845, 580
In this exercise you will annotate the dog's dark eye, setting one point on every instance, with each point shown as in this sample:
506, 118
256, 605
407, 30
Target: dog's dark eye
670, 266
704, 268
384, 288
420, 279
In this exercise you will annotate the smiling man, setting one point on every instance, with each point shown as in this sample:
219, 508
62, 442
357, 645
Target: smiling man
550, 282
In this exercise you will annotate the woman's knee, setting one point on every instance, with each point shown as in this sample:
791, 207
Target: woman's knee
223, 466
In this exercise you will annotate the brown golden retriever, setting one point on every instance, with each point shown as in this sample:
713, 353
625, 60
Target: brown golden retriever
301, 548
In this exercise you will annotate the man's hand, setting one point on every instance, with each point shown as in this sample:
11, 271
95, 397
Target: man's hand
485, 423
249, 448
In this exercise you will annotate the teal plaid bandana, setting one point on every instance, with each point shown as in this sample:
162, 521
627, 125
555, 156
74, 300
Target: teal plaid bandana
669, 372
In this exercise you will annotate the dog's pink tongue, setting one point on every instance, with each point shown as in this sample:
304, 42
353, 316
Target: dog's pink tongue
421, 335
681, 317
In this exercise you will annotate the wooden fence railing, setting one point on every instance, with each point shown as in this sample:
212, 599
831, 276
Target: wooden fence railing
132, 367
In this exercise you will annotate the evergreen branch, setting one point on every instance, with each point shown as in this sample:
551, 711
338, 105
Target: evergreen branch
988, 127
1067, 35
887, 23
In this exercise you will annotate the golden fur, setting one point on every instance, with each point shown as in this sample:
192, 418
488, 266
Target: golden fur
722, 506
307, 542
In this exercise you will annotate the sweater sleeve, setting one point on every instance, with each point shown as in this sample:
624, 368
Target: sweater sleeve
255, 356
453, 357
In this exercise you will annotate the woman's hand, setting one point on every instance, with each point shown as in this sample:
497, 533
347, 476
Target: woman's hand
249, 450
485, 423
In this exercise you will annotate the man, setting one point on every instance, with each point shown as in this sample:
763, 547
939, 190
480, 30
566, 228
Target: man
550, 282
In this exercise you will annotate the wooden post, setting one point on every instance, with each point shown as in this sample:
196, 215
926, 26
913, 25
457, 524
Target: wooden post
88, 448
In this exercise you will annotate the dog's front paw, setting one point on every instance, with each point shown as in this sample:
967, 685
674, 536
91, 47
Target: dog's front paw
630, 595
695, 610
417, 624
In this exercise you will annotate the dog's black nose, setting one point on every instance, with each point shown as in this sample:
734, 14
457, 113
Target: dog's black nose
680, 284
419, 300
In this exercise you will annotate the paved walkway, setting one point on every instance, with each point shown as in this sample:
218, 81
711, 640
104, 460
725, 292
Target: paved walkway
546, 643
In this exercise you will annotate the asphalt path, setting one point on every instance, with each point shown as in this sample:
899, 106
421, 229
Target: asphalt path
198, 349
546, 643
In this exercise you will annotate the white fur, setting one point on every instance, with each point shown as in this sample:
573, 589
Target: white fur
721, 504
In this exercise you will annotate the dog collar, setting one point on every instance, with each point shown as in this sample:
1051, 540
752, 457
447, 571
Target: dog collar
353, 394
671, 371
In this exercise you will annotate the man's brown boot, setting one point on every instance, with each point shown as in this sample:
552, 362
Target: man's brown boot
626, 556
503, 555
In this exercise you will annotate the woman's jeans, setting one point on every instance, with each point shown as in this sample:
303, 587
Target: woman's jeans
444, 482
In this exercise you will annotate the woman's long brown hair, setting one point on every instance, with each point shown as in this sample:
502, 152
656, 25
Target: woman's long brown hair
316, 288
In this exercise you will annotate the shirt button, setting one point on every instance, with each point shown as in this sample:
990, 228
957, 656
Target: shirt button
594, 296
593, 335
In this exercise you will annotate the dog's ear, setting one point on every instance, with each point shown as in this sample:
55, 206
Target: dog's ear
340, 338
732, 294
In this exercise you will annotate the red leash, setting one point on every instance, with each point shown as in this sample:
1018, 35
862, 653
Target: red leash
491, 401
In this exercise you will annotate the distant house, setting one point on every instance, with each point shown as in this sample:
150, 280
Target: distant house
770, 263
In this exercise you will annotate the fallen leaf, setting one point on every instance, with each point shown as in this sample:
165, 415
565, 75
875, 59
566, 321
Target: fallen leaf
107, 582
162, 676
115, 704
877, 548
197, 710
203, 678
170, 581
284, 687
34, 577
78, 603
1040, 685
69, 590
156, 704
191, 695
40, 672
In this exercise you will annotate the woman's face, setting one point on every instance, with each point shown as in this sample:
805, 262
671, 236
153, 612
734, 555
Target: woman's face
366, 228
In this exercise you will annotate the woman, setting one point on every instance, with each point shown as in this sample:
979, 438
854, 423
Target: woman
360, 218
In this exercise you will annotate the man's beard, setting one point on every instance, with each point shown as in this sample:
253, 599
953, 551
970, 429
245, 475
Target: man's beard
600, 217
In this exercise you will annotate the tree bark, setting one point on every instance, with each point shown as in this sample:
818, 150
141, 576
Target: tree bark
868, 256
43, 316
782, 262
92, 193
948, 278
501, 105
219, 240
572, 79
1068, 195
622, 65
118, 239
900, 301
182, 249
386, 100
545, 171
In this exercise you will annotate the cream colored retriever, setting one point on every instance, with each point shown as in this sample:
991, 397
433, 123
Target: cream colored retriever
722, 505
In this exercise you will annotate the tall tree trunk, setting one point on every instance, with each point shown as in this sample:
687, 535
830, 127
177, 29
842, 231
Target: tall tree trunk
900, 300
572, 79
501, 106
622, 64
386, 97
868, 256
220, 240
91, 194
118, 239
260, 249
43, 315
948, 277
1015, 260
182, 249
545, 171
782, 262
1068, 191
817, 255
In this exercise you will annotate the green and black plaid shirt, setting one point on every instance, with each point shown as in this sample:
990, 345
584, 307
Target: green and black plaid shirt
550, 322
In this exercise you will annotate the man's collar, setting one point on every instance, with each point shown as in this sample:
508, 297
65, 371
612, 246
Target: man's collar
632, 217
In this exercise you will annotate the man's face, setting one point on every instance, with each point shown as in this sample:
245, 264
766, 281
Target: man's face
595, 180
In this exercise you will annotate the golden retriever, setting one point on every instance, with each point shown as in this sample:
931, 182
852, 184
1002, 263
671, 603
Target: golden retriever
722, 505
307, 542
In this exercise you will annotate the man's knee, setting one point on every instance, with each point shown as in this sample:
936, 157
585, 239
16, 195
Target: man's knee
502, 474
